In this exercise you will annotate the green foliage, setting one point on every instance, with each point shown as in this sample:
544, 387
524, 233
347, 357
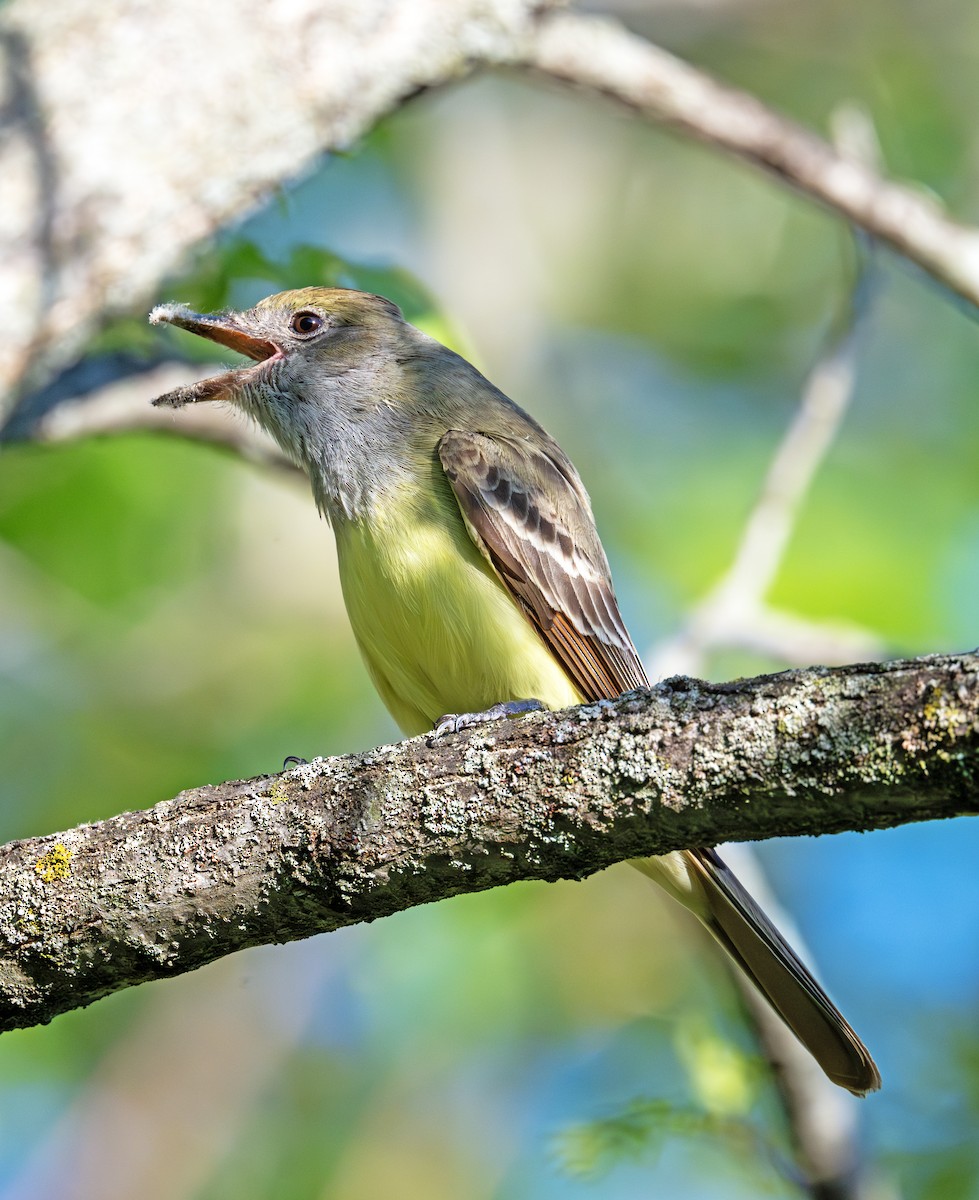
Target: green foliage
641, 1130
235, 272
228, 273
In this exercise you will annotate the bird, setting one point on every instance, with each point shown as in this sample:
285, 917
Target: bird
471, 567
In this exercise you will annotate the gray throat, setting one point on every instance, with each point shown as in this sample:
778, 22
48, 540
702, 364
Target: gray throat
351, 444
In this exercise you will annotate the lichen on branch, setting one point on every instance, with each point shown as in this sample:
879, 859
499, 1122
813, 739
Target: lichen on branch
555, 795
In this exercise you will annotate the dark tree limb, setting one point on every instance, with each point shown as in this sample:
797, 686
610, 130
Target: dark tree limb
556, 795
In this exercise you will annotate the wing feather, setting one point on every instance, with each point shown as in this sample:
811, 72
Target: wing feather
526, 509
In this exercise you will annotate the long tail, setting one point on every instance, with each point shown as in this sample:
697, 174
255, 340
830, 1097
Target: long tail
702, 882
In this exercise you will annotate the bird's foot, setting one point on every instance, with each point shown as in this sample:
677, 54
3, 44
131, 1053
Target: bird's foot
294, 761
454, 722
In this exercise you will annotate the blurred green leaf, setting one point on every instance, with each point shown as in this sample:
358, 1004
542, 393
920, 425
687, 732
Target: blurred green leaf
641, 1129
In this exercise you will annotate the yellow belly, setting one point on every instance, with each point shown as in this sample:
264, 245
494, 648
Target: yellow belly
438, 630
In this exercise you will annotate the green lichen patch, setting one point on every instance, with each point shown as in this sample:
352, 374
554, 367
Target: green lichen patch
54, 865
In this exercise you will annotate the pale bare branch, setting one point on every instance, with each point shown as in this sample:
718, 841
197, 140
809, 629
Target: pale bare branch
600, 55
104, 199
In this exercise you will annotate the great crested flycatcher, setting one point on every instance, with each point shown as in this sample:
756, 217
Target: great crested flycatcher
471, 568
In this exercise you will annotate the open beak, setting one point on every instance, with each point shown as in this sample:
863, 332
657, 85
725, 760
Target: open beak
226, 330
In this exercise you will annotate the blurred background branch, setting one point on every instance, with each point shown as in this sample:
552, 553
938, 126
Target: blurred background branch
600, 55
105, 240
735, 613
112, 197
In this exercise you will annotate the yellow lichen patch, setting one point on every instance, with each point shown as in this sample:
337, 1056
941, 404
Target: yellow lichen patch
54, 865
277, 793
941, 712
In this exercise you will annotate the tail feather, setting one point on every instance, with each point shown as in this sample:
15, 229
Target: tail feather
754, 943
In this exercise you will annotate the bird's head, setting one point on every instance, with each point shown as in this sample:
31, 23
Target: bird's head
294, 337
327, 381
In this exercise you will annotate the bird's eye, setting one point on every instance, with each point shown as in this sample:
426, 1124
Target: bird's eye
305, 323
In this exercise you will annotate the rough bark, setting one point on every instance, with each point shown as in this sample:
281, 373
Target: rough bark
556, 795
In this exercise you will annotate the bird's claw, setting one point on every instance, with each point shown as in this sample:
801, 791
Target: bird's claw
456, 722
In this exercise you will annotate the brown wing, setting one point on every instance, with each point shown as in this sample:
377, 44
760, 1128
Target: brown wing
526, 509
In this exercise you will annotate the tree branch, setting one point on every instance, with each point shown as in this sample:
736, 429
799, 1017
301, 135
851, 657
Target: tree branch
601, 56
70, 411
105, 201
156, 893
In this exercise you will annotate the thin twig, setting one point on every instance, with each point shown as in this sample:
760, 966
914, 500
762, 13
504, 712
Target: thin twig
735, 612
820, 1120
